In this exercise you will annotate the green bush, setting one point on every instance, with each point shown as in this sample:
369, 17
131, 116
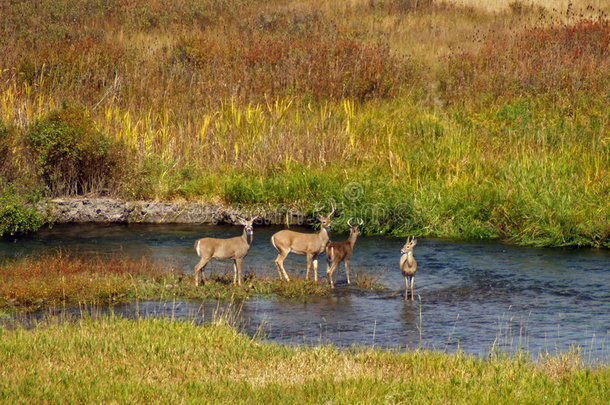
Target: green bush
15, 217
71, 156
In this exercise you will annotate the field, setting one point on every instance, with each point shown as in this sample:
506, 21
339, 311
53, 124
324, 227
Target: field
424, 118
160, 361
462, 119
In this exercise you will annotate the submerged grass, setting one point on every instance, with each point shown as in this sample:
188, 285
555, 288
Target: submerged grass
57, 280
161, 361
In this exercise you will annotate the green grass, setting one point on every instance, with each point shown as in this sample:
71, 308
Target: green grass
162, 361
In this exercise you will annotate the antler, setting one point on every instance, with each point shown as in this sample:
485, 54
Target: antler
333, 211
360, 221
317, 208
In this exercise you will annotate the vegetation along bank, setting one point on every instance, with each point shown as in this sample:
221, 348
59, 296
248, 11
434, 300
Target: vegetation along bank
429, 118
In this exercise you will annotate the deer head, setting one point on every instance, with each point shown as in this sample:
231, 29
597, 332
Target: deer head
325, 221
409, 245
248, 224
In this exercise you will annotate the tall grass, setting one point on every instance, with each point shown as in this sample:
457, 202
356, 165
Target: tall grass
562, 61
445, 120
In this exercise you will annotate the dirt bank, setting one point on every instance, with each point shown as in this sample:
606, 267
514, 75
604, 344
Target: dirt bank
108, 210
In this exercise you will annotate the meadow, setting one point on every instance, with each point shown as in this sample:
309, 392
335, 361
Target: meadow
424, 118
160, 361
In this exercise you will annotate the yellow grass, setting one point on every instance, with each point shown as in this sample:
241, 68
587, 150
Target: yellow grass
431, 34
502, 5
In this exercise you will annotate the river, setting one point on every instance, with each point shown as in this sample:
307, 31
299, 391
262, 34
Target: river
470, 296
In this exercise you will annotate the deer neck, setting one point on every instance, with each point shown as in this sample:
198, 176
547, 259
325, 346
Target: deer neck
247, 237
324, 235
408, 257
352, 240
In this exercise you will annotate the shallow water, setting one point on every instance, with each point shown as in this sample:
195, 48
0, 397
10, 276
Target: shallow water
473, 295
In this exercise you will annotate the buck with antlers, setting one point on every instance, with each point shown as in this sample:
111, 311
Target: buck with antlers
408, 265
336, 252
232, 248
309, 244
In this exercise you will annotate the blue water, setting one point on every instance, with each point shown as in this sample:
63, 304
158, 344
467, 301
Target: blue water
470, 296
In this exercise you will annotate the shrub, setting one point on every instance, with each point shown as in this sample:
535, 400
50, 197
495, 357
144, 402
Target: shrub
70, 155
559, 60
15, 217
278, 55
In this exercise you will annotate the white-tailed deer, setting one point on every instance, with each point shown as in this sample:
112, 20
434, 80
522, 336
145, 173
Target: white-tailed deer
310, 244
232, 248
336, 252
408, 265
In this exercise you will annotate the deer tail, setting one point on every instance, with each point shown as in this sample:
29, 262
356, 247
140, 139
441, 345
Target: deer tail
273, 242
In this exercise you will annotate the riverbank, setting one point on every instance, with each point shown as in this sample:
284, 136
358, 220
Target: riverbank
110, 210
74, 210
164, 361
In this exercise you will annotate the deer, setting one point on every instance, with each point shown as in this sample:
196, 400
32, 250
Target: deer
309, 244
235, 248
336, 252
408, 265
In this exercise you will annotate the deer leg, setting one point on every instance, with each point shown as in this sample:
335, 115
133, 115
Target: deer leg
406, 288
329, 274
412, 282
309, 260
347, 270
329, 269
315, 269
200, 268
279, 269
237, 271
279, 262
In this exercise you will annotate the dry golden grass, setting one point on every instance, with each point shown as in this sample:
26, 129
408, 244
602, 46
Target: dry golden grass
560, 5
436, 29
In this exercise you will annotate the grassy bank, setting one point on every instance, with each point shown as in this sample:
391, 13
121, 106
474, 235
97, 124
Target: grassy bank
161, 361
428, 118
62, 280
